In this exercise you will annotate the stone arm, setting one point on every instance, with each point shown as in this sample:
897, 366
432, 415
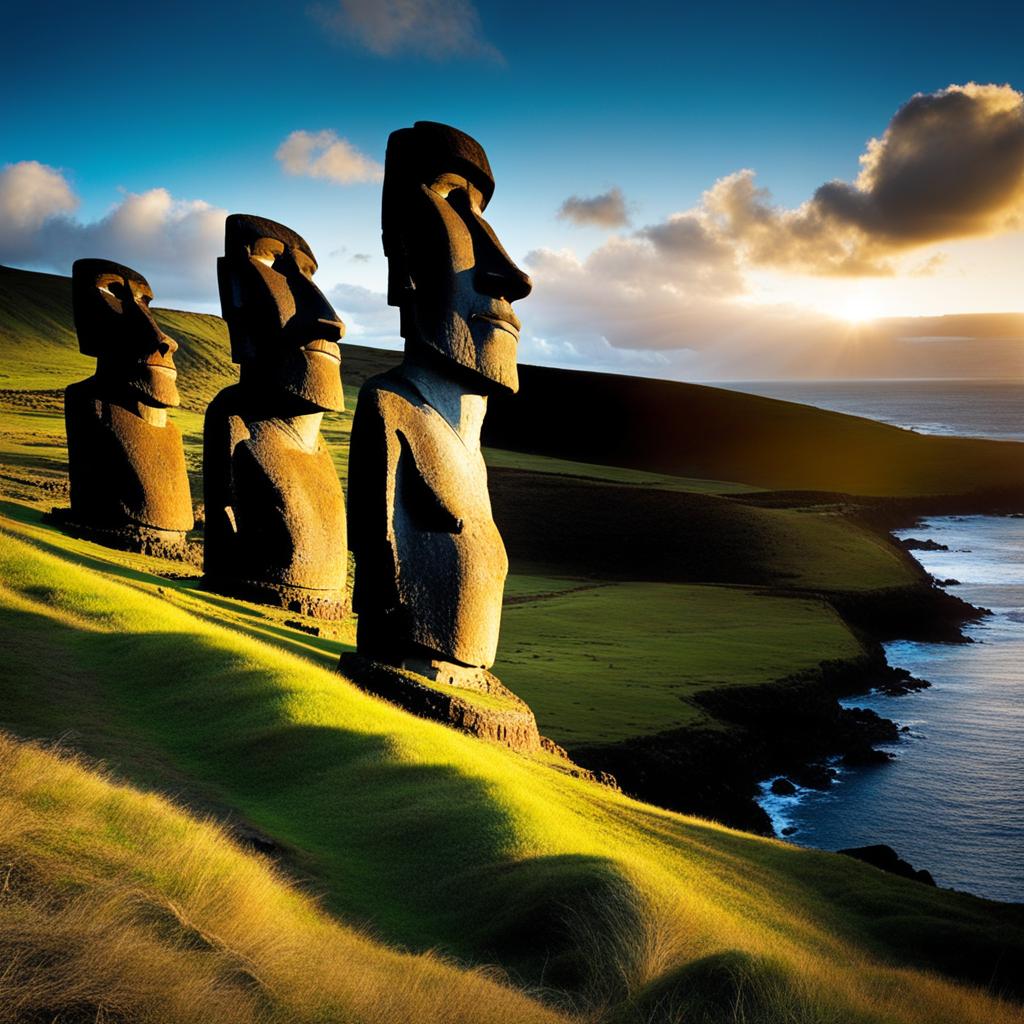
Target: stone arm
223, 430
372, 478
79, 410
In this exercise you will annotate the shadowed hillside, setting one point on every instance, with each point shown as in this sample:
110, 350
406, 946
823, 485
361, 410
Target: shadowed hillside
687, 430
698, 431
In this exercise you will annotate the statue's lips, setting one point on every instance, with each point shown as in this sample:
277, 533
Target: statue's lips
501, 323
324, 348
160, 364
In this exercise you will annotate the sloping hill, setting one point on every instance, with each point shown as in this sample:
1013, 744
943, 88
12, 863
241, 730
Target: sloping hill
39, 349
437, 841
599, 525
117, 906
698, 431
687, 430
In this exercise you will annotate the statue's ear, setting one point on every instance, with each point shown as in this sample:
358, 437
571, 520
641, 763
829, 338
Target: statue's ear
400, 282
226, 283
230, 307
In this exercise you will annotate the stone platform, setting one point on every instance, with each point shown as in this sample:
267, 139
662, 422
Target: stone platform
476, 702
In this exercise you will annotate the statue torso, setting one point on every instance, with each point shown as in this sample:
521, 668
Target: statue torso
123, 470
447, 560
286, 501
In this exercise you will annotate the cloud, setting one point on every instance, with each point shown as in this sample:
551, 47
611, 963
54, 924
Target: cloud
437, 29
950, 165
172, 242
30, 192
369, 320
607, 210
325, 155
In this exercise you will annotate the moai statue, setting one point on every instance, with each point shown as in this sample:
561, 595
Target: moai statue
129, 488
275, 513
430, 563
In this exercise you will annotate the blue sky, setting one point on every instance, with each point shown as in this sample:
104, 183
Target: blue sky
568, 99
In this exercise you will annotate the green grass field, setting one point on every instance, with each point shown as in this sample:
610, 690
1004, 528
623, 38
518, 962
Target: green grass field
429, 839
563, 524
623, 659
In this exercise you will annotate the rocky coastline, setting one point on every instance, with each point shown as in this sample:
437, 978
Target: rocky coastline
794, 730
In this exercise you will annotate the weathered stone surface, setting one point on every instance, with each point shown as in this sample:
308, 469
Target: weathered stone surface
274, 509
126, 464
430, 563
488, 710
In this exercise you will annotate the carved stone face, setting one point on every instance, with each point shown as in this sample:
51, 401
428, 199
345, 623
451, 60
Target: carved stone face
284, 332
114, 324
448, 271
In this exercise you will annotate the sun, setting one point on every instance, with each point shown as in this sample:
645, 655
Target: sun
860, 306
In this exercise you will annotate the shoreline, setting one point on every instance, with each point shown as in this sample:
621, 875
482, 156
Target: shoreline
797, 728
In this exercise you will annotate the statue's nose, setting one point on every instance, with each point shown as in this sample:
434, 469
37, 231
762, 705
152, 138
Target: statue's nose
509, 283
330, 330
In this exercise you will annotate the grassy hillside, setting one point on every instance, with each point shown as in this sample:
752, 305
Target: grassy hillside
430, 839
118, 906
642, 664
561, 519
697, 431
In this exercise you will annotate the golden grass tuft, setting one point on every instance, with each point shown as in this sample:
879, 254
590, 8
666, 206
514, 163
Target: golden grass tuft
116, 906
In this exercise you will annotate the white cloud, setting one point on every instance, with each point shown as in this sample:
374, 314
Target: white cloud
171, 242
31, 192
437, 29
325, 155
368, 318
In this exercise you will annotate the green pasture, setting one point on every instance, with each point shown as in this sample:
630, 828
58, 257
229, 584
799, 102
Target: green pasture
618, 660
434, 841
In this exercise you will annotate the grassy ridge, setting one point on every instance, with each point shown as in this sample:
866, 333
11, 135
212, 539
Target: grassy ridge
438, 841
698, 431
560, 519
429, 839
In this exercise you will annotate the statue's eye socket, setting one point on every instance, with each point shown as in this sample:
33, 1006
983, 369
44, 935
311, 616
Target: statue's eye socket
113, 291
462, 201
266, 258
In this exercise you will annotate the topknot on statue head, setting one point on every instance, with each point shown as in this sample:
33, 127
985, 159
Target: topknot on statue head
447, 271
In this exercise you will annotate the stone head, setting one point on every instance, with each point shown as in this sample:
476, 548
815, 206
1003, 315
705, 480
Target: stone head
447, 271
114, 324
284, 333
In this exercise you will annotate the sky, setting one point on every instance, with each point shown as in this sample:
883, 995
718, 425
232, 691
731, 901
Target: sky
698, 191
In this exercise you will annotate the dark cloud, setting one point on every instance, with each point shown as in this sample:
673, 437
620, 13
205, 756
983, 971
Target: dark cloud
950, 165
607, 210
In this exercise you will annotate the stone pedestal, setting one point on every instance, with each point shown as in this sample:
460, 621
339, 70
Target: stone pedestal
478, 703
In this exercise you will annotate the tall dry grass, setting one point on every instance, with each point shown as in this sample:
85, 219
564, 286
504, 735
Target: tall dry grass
115, 906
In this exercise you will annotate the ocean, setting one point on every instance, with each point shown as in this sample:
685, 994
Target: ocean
970, 408
952, 801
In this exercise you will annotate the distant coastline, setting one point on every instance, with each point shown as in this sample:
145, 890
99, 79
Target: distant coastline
946, 407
